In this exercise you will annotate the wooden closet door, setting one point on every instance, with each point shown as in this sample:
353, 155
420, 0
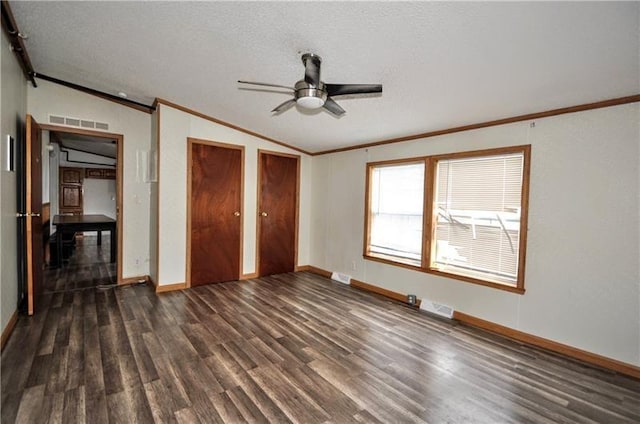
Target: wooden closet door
277, 212
215, 213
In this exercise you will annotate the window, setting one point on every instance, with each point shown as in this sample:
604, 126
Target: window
472, 226
397, 193
477, 216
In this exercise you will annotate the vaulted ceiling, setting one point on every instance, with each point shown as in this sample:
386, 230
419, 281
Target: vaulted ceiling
441, 64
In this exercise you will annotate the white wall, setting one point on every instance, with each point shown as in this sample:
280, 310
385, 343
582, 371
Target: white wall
582, 276
175, 127
135, 126
13, 108
99, 197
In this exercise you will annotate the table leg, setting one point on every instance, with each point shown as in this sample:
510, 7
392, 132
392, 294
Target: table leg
59, 246
99, 237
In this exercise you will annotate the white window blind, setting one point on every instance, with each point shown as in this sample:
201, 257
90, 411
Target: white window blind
477, 217
396, 203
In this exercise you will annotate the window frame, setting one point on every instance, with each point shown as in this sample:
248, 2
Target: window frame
428, 216
367, 220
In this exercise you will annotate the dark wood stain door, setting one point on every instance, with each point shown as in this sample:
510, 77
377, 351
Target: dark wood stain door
33, 212
277, 213
215, 213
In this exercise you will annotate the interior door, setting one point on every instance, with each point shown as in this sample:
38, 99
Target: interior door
277, 212
215, 205
31, 211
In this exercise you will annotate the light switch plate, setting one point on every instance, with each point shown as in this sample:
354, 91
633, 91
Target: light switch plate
9, 154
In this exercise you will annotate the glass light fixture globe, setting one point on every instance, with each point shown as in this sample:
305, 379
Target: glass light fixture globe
310, 102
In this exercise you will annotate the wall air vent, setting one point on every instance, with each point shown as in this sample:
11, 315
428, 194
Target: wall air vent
58, 120
77, 122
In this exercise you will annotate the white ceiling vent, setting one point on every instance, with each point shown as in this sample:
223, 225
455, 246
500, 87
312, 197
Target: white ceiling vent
78, 123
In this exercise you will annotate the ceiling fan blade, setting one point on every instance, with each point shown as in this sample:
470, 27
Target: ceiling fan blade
311, 69
264, 84
284, 106
342, 89
333, 107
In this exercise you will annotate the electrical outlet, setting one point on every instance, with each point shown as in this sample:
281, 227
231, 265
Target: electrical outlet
353, 265
411, 299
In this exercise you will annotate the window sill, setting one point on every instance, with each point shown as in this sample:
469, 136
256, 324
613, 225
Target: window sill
390, 260
512, 289
395, 262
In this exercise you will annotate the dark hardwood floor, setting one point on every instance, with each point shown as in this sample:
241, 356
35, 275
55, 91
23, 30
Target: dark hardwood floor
286, 348
87, 267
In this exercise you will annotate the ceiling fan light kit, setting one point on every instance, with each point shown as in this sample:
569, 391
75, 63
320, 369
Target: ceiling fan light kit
308, 96
311, 93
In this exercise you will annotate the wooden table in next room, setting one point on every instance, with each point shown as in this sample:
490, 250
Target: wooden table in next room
77, 223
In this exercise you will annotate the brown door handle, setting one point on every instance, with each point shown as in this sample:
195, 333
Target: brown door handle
263, 214
236, 213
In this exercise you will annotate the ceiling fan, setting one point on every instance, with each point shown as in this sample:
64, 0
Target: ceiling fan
312, 93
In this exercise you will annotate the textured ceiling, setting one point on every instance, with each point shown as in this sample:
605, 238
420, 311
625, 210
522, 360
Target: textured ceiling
441, 64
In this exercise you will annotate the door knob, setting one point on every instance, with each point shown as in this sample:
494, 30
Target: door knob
236, 213
263, 214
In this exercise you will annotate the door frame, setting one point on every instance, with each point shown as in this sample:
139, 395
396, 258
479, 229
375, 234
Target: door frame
262, 152
190, 142
119, 138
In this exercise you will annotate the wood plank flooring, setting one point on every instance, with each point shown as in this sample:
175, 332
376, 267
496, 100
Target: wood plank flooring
287, 348
87, 267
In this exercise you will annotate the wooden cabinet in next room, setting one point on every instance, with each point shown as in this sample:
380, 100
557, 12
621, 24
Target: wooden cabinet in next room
70, 190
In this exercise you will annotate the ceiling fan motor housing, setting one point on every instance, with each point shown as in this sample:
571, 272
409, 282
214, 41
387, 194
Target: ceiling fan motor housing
309, 96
